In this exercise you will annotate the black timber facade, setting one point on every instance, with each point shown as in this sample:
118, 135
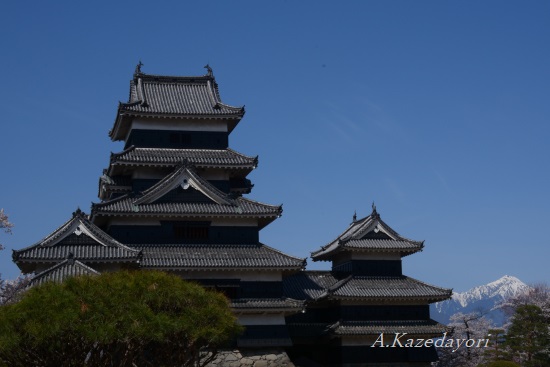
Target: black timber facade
364, 296
174, 200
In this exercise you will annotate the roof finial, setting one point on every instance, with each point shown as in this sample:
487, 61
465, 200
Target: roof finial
355, 215
138, 67
208, 70
374, 212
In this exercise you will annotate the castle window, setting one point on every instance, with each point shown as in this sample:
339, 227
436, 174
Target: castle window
191, 230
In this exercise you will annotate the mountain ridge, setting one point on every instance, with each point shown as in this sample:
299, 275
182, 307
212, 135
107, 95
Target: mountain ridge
483, 298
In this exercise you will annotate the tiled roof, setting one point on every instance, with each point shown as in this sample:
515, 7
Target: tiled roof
174, 96
242, 207
90, 252
322, 284
424, 327
80, 238
369, 234
308, 285
61, 271
266, 303
401, 287
381, 244
205, 257
201, 158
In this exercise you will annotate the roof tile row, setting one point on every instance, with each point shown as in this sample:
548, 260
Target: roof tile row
242, 208
318, 285
422, 327
222, 158
368, 234
253, 256
177, 95
61, 271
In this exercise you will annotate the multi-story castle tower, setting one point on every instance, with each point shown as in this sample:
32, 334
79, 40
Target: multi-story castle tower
173, 200
356, 310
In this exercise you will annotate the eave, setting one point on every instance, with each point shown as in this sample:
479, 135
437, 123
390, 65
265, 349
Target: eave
362, 329
225, 269
329, 256
226, 159
267, 306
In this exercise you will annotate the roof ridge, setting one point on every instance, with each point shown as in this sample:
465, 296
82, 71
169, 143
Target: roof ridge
173, 180
177, 77
395, 233
338, 237
365, 225
66, 262
339, 284
48, 237
153, 191
96, 233
211, 188
212, 94
107, 202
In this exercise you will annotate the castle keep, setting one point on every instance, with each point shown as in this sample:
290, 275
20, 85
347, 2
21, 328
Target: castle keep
174, 200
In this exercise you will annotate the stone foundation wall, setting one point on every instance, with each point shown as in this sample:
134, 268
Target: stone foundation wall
252, 358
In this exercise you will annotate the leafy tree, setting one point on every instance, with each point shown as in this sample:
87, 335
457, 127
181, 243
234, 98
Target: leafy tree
141, 318
528, 336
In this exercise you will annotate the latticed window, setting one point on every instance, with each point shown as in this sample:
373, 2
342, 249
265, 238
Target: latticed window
191, 230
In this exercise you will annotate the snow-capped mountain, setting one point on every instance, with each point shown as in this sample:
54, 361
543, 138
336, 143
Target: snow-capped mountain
484, 298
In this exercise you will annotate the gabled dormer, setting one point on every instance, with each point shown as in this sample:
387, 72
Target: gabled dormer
136, 169
368, 247
175, 112
80, 239
182, 208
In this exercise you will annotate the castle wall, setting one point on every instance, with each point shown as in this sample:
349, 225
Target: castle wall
269, 357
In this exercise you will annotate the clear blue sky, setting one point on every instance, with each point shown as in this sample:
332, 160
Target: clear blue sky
436, 110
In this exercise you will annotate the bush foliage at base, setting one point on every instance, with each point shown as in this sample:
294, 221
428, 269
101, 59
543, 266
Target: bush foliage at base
143, 318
